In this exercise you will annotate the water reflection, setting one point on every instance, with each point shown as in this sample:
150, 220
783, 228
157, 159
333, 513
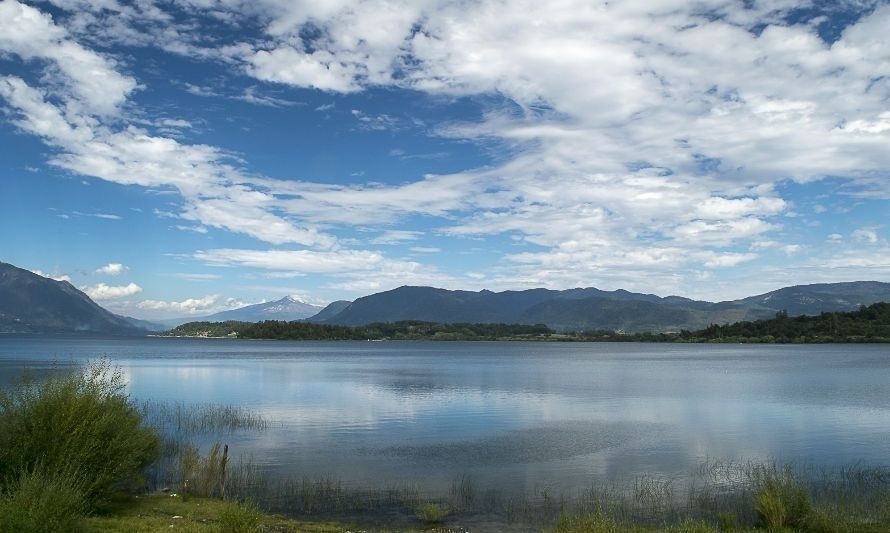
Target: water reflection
514, 415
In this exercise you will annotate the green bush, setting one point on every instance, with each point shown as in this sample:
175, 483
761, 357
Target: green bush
36, 502
240, 518
81, 424
431, 513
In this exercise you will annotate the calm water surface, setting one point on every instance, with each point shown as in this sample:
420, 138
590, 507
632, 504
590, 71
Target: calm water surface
515, 416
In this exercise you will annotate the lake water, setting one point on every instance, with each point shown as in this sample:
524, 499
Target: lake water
514, 416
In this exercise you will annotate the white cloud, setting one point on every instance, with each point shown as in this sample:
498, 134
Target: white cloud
209, 304
865, 235
176, 123
192, 276
57, 277
396, 236
319, 70
31, 34
304, 261
101, 291
112, 269
251, 95
425, 249
215, 193
643, 137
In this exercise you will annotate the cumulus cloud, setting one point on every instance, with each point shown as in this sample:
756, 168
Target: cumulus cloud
644, 137
866, 235
211, 303
56, 277
93, 79
101, 291
112, 269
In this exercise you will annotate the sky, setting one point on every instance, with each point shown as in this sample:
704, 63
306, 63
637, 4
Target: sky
181, 158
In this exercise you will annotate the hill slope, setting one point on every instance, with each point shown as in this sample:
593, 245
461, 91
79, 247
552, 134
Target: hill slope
816, 298
569, 309
591, 308
330, 311
34, 304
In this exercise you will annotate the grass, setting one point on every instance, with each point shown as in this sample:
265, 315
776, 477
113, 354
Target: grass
157, 512
744, 497
175, 418
431, 514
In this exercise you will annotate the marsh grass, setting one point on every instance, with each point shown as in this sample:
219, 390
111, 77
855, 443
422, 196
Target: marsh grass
180, 418
720, 496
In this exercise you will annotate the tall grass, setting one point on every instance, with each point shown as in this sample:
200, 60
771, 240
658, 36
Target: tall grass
79, 424
179, 418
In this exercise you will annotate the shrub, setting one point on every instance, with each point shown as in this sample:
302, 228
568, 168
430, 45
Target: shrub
239, 518
81, 424
431, 513
36, 502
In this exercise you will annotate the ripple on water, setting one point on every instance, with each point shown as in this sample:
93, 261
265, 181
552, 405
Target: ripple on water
544, 443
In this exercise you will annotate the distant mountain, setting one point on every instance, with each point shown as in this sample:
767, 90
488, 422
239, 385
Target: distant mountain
591, 308
287, 309
814, 299
331, 310
147, 325
569, 309
34, 304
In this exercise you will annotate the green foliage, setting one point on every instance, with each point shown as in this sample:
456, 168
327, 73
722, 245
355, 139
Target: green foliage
35, 501
726, 520
781, 501
204, 475
404, 330
868, 324
589, 523
431, 513
240, 518
81, 424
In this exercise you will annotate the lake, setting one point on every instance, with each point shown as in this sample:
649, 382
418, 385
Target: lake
514, 416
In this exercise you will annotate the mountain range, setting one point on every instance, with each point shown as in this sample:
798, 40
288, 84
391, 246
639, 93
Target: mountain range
33, 303
591, 308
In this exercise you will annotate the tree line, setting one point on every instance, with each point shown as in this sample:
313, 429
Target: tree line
403, 330
868, 324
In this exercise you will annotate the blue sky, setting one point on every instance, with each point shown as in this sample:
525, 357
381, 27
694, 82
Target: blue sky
176, 160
